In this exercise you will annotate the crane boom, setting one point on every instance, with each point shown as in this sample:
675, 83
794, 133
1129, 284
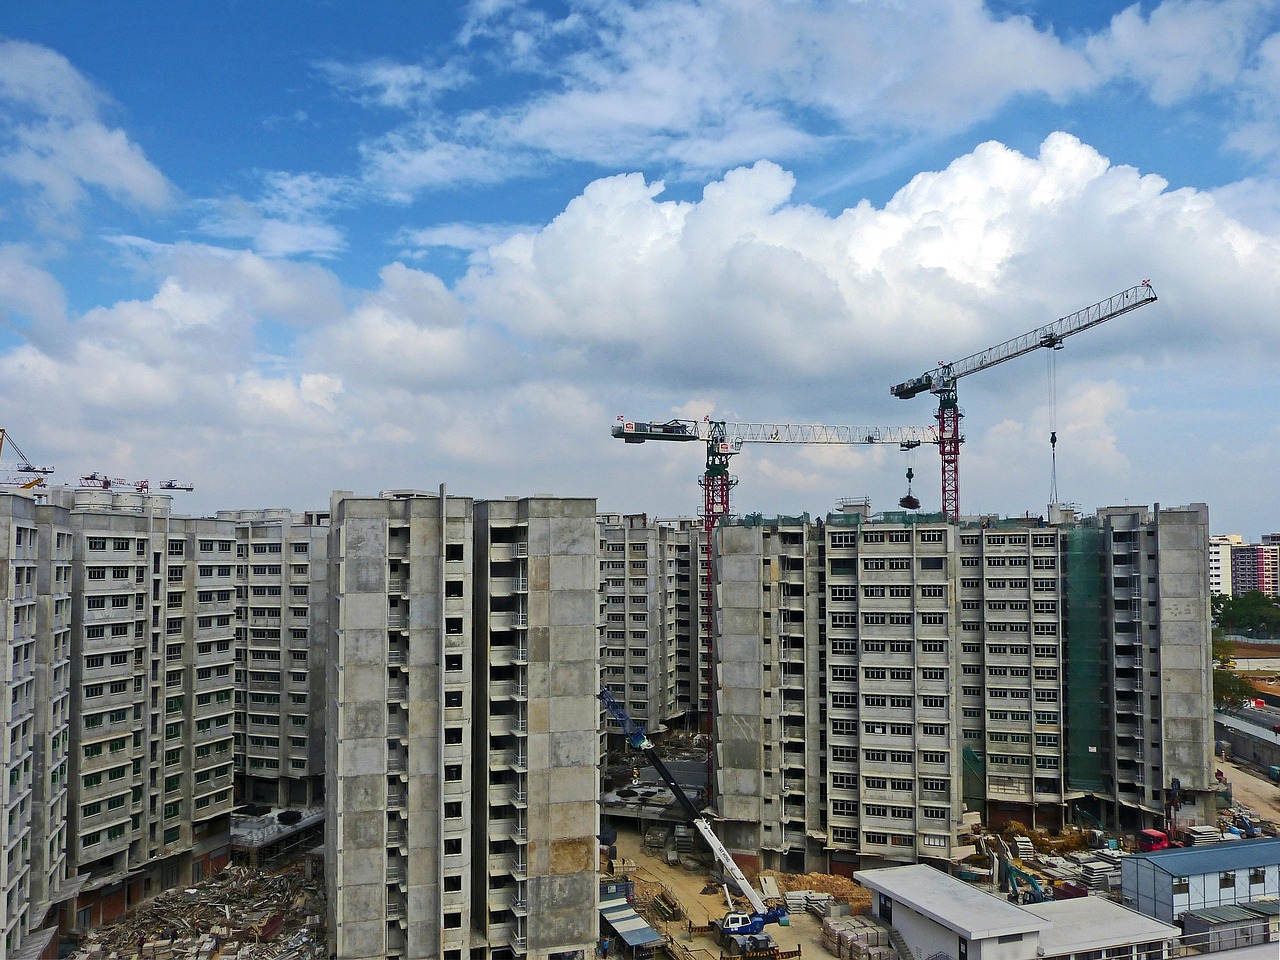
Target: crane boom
734, 434
24, 465
941, 380
1050, 335
640, 741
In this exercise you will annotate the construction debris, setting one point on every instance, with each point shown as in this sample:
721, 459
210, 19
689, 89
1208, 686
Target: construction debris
239, 914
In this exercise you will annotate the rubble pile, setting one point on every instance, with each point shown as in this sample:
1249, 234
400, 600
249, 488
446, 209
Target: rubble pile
843, 888
239, 914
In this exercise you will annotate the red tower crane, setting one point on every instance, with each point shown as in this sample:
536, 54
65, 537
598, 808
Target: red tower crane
724, 440
98, 481
941, 380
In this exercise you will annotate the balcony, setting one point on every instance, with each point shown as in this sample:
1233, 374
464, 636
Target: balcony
396, 764
395, 585
397, 621
518, 867
398, 691
395, 799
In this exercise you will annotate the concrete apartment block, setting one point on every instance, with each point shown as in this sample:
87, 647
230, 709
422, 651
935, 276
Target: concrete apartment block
35, 583
281, 645
463, 726
1157, 689
954, 672
647, 620
152, 681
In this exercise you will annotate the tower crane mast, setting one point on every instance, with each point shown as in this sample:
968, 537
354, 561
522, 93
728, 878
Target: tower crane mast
941, 380
723, 440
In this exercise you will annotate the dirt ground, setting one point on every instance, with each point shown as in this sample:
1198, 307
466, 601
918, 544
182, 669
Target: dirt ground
1252, 789
686, 887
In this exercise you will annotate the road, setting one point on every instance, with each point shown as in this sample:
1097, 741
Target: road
1252, 790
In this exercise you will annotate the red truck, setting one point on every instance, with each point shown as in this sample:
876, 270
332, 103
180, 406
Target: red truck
1149, 840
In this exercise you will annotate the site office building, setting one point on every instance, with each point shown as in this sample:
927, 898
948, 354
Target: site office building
877, 677
462, 733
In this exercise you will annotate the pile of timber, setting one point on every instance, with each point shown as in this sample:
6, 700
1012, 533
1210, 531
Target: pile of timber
238, 914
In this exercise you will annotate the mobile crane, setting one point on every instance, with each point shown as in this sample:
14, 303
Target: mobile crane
740, 930
941, 381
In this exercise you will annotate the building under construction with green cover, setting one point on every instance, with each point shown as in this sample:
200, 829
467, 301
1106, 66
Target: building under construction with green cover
885, 679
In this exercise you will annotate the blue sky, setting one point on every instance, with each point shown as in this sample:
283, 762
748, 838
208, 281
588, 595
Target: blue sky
279, 249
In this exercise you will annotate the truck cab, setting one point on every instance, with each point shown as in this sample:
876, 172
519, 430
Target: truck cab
1149, 840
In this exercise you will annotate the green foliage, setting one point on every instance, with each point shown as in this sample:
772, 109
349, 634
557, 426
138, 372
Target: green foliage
1251, 613
1230, 690
1223, 649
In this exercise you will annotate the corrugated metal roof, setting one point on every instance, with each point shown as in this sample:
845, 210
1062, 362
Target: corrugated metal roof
628, 924
1224, 914
1216, 857
1267, 908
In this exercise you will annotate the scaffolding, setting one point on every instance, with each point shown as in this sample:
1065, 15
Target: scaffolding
1082, 656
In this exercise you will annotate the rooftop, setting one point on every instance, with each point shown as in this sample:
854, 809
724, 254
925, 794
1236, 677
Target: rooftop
952, 903
1215, 857
1094, 923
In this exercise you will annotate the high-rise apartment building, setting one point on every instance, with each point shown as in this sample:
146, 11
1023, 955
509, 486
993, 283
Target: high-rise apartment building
1220, 562
153, 618
281, 644
35, 585
649, 605
462, 727
1255, 566
877, 677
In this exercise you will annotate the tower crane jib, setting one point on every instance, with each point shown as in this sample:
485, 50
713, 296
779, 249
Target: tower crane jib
941, 380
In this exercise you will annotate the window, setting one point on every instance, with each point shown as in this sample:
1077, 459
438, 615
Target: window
1181, 885
453, 772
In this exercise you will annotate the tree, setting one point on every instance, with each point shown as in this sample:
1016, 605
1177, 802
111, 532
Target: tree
1230, 690
1253, 611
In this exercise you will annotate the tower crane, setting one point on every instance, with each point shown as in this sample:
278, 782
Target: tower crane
36, 474
723, 440
941, 381
742, 931
98, 481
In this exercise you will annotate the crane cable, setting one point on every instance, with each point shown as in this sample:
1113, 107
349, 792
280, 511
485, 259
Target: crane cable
1053, 424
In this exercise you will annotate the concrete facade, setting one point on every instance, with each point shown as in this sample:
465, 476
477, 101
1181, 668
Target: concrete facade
35, 584
460, 774
948, 669
281, 647
152, 680
649, 618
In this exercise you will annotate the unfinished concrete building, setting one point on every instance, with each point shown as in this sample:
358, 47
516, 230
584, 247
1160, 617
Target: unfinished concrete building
880, 677
35, 583
152, 688
648, 614
281, 643
461, 778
